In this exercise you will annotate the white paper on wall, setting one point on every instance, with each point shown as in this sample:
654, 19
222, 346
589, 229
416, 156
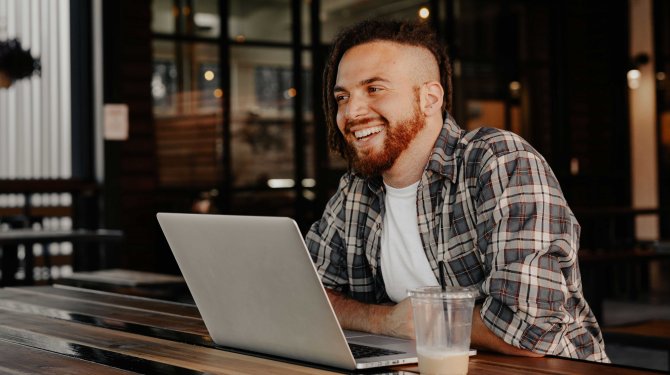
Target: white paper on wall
116, 122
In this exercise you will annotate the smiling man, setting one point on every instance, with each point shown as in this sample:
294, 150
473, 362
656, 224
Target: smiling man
421, 190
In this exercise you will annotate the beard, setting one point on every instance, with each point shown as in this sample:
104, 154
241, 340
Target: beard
372, 162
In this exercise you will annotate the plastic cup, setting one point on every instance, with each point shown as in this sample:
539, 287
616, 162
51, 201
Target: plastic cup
443, 322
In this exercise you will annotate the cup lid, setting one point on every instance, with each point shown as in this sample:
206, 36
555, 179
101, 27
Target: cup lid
449, 292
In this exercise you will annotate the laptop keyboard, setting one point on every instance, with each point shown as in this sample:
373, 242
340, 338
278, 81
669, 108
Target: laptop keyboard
362, 351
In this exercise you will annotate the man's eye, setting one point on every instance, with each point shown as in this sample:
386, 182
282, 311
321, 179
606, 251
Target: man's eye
373, 90
340, 98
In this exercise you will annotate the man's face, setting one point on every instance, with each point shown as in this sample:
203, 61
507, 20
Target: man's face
377, 104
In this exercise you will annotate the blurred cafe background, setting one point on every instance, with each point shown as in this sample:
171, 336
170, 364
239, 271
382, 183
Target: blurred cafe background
214, 106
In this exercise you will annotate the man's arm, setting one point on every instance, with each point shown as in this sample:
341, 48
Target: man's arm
397, 320
482, 338
390, 320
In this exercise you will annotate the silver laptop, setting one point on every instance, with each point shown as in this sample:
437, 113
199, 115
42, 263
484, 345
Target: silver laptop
257, 290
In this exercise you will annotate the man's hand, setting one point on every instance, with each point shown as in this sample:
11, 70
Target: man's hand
399, 321
391, 320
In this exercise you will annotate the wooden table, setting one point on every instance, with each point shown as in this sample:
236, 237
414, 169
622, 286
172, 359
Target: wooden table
131, 282
65, 330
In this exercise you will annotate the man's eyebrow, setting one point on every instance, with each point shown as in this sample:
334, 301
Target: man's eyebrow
371, 80
364, 82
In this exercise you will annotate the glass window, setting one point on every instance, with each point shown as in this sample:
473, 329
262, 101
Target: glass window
206, 21
337, 14
306, 22
261, 116
186, 87
260, 20
163, 16
201, 18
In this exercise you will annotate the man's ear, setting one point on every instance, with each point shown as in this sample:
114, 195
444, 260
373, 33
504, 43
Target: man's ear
432, 95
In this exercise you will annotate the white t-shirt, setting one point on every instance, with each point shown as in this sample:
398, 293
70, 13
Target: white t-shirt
403, 261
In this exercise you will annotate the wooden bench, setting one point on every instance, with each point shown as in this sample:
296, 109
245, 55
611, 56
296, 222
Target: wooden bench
27, 237
618, 274
650, 334
37, 212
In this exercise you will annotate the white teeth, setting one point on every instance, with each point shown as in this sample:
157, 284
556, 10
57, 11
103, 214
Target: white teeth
365, 132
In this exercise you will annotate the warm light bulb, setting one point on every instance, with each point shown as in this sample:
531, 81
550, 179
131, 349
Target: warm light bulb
633, 77
209, 75
424, 12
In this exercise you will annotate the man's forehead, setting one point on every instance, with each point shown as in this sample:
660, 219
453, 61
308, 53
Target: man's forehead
380, 47
381, 59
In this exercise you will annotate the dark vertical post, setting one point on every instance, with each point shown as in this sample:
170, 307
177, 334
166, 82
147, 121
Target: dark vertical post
298, 122
179, 50
434, 6
449, 36
661, 46
85, 210
319, 118
225, 194
111, 186
560, 142
9, 265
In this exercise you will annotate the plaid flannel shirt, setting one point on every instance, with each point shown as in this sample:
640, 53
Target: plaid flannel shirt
490, 207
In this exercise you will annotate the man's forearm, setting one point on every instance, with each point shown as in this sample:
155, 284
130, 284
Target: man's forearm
356, 315
397, 320
380, 319
483, 338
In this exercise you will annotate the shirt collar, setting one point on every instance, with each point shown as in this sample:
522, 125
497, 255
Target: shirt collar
443, 159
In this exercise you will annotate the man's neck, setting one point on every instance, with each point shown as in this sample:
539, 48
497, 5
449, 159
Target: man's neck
409, 166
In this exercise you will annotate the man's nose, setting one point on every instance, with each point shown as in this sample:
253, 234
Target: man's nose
356, 107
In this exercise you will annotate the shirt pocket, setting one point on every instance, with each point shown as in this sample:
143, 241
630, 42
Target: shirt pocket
464, 262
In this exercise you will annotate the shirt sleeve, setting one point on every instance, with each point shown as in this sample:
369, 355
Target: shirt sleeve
530, 238
325, 245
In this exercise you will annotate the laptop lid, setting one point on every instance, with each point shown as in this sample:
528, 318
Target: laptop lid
256, 287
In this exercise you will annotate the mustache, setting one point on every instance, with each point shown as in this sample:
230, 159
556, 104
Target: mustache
363, 121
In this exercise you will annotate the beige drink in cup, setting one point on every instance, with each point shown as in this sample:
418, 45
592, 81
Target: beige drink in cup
443, 322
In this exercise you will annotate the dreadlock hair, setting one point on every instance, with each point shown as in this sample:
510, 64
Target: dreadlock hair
401, 32
16, 62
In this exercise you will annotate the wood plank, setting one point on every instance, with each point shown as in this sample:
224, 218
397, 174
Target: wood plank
50, 211
38, 361
129, 277
28, 236
116, 300
11, 211
151, 323
651, 328
62, 336
490, 363
653, 334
